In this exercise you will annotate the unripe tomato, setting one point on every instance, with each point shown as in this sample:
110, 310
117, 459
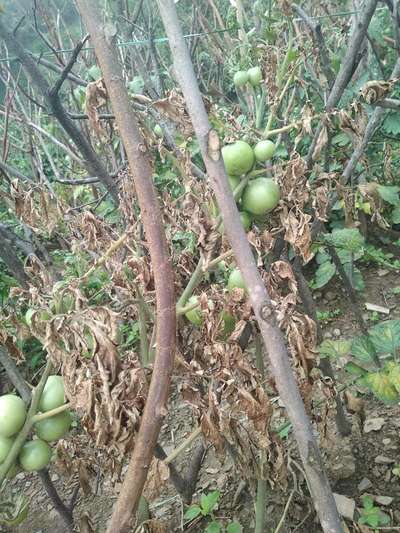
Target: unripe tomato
255, 76
5, 446
194, 315
233, 181
240, 78
55, 427
261, 196
238, 158
12, 415
35, 455
53, 394
264, 150
235, 280
246, 220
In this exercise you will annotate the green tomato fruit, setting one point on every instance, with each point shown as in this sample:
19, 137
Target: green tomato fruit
5, 446
261, 196
255, 76
246, 220
235, 280
233, 181
55, 427
240, 78
35, 455
264, 150
12, 415
194, 315
238, 158
229, 322
53, 395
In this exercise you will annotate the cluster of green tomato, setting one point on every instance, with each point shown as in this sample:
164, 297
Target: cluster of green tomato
252, 76
261, 195
35, 454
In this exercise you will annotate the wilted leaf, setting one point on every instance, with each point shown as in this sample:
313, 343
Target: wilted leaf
96, 97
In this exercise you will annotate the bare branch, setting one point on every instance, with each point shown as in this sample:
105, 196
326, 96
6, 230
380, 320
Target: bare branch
261, 302
347, 68
139, 162
92, 162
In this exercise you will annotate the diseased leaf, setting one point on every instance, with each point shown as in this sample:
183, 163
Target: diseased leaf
334, 348
386, 336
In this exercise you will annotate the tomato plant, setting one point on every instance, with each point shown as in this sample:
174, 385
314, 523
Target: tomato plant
194, 315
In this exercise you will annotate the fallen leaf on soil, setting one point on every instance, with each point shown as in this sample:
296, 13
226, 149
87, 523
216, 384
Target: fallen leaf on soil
373, 424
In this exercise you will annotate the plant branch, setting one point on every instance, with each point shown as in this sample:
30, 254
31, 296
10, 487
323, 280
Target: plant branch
261, 302
139, 161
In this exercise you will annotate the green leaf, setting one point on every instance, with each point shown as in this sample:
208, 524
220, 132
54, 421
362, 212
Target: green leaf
389, 193
334, 348
386, 336
368, 502
192, 512
391, 123
395, 215
341, 139
209, 501
347, 238
234, 527
346, 256
324, 274
358, 280
355, 370
214, 527
384, 519
362, 348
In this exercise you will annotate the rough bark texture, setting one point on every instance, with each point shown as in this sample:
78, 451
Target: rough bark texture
139, 162
262, 305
